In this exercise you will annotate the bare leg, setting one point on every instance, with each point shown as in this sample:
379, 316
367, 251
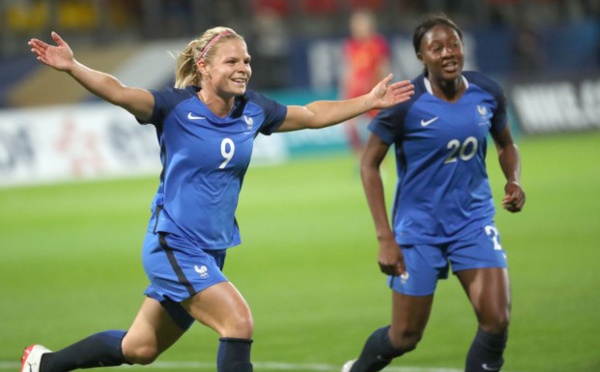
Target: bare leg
153, 331
489, 293
222, 308
409, 318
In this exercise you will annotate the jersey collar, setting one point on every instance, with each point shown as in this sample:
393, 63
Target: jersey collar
428, 84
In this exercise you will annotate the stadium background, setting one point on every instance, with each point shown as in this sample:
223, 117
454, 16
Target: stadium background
70, 264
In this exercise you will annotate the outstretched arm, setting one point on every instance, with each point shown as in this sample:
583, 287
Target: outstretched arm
139, 102
510, 162
321, 114
391, 259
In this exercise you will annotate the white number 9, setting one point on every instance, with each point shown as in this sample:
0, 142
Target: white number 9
227, 150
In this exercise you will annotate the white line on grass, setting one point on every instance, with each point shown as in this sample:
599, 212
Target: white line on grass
262, 366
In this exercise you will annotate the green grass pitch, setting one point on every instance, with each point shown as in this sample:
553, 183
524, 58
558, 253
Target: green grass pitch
70, 265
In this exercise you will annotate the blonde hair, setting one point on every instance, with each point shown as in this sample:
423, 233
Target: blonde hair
203, 47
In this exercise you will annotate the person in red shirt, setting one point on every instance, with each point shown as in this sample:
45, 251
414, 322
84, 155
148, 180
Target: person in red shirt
366, 59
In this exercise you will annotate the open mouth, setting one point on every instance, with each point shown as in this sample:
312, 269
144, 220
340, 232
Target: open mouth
240, 81
451, 66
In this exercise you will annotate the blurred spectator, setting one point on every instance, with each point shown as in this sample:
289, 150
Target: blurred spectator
374, 5
320, 7
281, 7
365, 60
527, 55
176, 15
270, 52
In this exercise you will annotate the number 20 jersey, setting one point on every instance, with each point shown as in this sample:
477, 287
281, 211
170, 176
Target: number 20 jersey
443, 191
204, 159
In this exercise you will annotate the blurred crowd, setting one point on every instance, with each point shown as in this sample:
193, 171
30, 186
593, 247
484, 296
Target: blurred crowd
110, 20
268, 24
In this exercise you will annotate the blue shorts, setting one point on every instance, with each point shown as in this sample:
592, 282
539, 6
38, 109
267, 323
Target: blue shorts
177, 270
427, 263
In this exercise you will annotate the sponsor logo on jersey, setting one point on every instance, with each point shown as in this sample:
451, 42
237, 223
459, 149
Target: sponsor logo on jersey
191, 116
425, 123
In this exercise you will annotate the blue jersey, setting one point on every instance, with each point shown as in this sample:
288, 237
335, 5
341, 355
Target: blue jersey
443, 190
204, 159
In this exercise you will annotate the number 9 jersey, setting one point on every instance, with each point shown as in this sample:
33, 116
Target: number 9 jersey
204, 159
443, 191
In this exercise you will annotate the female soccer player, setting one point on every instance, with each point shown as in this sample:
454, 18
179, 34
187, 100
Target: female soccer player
206, 126
443, 212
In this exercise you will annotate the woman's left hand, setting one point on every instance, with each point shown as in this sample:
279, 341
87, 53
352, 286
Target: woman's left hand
514, 198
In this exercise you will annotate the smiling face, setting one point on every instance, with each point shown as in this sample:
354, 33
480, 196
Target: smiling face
441, 51
228, 71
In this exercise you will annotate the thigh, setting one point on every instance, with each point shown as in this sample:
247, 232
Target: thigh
222, 308
153, 331
488, 290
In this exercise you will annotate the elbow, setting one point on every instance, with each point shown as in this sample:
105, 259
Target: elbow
368, 169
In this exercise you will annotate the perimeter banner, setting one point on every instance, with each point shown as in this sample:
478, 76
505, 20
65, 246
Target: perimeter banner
550, 105
98, 140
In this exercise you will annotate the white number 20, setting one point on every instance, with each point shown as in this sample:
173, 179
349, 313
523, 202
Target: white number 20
465, 151
227, 150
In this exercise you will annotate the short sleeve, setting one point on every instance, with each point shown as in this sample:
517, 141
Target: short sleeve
388, 124
274, 111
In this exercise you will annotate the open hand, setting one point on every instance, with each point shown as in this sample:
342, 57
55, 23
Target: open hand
59, 57
385, 94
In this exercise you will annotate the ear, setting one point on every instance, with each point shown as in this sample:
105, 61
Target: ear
202, 67
420, 57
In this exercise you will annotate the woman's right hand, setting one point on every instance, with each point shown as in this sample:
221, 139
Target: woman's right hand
391, 259
59, 57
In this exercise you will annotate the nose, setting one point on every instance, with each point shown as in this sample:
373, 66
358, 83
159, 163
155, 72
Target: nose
447, 52
244, 67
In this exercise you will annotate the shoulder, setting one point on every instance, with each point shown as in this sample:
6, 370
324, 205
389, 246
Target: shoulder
171, 91
167, 99
171, 96
420, 89
392, 120
273, 111
259, 99
251, 95
484, 82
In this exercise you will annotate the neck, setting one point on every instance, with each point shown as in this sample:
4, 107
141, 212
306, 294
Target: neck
448, 90
218, 105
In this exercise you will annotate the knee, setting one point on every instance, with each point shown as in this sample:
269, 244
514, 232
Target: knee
497, 324
142, 355
239, 326
405, 340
